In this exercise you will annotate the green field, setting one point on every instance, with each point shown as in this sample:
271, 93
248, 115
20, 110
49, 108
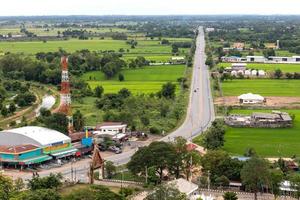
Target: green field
143, 80
269, 67
265, 87
87, 107
53, 31
267, 142
144, 46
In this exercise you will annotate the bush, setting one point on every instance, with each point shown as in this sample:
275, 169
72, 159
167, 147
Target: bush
121, 77
126, 191
154, 130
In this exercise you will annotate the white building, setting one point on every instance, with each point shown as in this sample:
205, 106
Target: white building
254, 72
278, 59
233, 73
110, 128
250, 98
261, 73
185, 186
232, 59
240, 72
257, 59
248, 72
177, 60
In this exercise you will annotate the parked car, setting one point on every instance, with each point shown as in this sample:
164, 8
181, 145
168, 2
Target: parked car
115, 149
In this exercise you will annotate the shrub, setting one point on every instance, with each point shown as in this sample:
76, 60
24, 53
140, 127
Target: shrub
154, 130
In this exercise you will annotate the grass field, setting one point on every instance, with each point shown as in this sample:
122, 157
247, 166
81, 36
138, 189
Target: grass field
269, 67
87, 107
53, 31
282, 142
265, 87
143, 80
32, 47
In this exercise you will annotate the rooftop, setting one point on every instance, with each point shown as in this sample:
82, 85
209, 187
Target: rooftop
184, 186
17, 149
34, 135
251, 96
110, 124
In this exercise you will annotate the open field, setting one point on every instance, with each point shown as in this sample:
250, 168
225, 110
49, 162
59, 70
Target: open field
269, 67
53, 31
282, 142
143, 80
88, 108
265, 87
32, 47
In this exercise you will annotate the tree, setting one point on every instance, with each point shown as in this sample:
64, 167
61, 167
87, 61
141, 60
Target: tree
222, 181
99, 91
214, 137
121, 77
78, 120
289, 75
110, 169
276, 177
168, 90
278, 73
19, 184
160, 155
41, 194
4, 111
294, 178
166, 192
218, 163
124, 93
209, 61
254, 174
6, 187
230, 196
145, 120
191, 160
250, 152
94, 192
269, 52
175, 49
153, 178
57, 121
53, 181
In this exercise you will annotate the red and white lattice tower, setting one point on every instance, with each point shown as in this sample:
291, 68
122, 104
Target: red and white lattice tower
65, 94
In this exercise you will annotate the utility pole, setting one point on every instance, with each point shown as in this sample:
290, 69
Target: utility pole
191, 168
208, 180
146, 175
72, 178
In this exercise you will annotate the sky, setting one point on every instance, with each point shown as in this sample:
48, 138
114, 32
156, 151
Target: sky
147, 7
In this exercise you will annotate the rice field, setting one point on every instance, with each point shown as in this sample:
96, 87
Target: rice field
280, 142
264, 87
143, 80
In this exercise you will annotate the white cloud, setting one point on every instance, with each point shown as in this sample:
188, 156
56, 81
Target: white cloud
147, 7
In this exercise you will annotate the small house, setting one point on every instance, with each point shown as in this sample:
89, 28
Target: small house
178, 60
233, 73
254, 72
110, 128
258, 59
239, 66
247, 72
261, 73
186, 187
250, 98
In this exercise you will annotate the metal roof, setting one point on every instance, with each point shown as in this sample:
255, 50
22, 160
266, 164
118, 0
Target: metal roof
34, 135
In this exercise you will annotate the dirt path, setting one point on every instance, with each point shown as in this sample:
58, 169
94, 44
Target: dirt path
287, 102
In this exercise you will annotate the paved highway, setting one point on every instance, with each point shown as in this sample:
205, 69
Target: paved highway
200, 114
200, 111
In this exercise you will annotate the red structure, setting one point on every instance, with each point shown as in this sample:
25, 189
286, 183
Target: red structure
65, 94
